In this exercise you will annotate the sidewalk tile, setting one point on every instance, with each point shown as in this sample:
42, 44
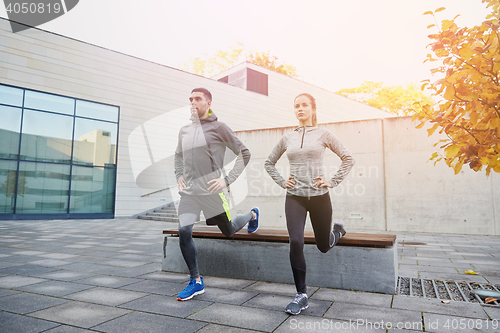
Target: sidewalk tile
438, 323
227, 296
435, 306
80, 314
54, 288
307, 324
24, 303
16, 323
151, 323
166, 305
242, 317
105, 296
348, 296
316, 307
14, 282
156, 287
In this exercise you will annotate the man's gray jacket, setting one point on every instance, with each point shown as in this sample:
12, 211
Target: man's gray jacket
200, 152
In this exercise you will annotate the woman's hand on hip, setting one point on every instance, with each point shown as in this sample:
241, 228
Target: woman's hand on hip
321, 182
290, 182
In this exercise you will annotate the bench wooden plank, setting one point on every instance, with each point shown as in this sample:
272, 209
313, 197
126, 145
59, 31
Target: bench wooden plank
273, 235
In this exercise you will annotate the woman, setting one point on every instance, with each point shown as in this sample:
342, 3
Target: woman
307, 189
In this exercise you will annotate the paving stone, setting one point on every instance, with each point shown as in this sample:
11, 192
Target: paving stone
131, 272
167, 276
29, 253
213, 328
151, 323
27, 270
64, 275
242, 317
227, 296
55, 288
85, 267
435, 306
355, 312
166, 305
439, 323
156, 287
4, 264
7, 292
308, 324
493, 313
23, 303
68, 329
106, 296
15, 323
14, 282
108, 281
49, 262
218, 282
278, 303
80, 314
277, 288
59, 256
348, 296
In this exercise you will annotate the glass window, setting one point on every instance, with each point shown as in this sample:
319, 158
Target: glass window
95, 142
8, 181
92, 190
42, 188
46, 137
11, 96
95, 110
10, 126
47, 102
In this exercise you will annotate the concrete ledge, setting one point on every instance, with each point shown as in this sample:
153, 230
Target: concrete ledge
344, 267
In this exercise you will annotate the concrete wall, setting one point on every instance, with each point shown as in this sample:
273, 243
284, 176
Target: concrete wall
392, 187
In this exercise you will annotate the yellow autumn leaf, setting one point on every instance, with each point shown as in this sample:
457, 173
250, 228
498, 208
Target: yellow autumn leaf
489, 300
428, 13
446, 24
449, 93
495, 123
451, 151
440, 9
471, 272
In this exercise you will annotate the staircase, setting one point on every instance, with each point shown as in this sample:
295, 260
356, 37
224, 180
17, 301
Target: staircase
167, 214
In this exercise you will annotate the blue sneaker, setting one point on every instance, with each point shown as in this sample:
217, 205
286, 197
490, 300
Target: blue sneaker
191, 290
253, 225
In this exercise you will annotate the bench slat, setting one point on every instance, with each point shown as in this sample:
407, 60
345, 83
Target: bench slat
272, 235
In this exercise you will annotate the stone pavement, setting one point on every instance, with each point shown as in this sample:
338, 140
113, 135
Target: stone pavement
104, 276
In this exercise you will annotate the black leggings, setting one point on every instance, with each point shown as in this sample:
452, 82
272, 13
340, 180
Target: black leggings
320, 213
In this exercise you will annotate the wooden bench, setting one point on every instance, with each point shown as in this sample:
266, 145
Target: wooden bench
360, 261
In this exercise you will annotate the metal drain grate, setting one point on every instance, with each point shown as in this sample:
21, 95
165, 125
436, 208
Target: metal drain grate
445, 290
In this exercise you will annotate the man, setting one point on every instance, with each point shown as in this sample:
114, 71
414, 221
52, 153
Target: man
199, 162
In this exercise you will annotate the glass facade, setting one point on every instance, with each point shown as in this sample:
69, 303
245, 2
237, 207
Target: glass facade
57, 156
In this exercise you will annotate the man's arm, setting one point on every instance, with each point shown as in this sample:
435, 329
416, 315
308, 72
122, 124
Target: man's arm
238, 148
179, 164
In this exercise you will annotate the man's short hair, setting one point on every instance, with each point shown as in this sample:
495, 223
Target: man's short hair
208, 95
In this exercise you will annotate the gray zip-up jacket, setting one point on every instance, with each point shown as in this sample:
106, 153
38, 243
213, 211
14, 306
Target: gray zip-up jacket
199, 156
305, 147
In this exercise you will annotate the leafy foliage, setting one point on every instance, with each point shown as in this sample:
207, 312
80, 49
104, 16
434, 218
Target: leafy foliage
469, 112
222, 60
396, 99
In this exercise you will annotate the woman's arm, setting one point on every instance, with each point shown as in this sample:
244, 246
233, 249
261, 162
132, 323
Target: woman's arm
272, 159
347, 159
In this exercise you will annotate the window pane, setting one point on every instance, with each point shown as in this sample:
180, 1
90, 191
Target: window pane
98, 111
42, 188
92, 190
11, 96
10, 125
47, 102
7, 186
95, 142
46, 137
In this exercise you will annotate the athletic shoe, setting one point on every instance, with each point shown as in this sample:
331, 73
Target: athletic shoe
298, 304
192, 289
338, 227
253, 225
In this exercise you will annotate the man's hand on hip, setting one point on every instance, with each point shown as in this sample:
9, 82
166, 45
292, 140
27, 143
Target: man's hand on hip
216, 185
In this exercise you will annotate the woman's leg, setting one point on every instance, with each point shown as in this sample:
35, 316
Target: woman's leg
296, 212
320, 212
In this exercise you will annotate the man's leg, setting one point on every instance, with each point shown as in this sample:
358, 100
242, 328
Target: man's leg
186, 243
223, 220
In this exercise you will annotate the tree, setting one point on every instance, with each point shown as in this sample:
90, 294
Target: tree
224, 59
394, 99
469, 111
